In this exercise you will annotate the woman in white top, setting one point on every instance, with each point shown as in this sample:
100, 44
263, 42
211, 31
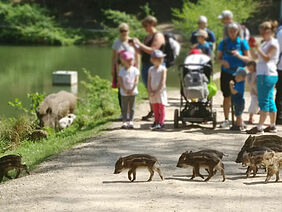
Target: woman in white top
267, 76
121, 43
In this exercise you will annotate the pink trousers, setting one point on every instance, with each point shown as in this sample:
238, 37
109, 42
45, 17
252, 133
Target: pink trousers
159, 113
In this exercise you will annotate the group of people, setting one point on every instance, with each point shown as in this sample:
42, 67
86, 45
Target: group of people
125, 71
236, 53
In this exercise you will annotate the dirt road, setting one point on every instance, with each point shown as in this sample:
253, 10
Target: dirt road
82, 179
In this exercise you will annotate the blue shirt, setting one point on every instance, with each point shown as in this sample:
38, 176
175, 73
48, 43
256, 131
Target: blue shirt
211, 37
226, 46
206, 48
238, 98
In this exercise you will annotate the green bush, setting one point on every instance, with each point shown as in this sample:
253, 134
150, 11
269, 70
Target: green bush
114, 18
186, 18
28, 23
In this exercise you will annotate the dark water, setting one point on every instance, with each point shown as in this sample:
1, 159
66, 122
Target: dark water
26, 69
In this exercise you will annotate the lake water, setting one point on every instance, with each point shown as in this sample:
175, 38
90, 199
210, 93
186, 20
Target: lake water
26, 69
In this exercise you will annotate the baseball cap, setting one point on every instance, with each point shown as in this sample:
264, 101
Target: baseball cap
203, 19
240, 72
127, 55
158, 54
202, 32
225, 14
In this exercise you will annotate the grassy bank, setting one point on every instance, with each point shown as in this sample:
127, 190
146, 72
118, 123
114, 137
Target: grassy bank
98, 106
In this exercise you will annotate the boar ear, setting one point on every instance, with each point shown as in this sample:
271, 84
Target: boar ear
122, 161
49, 110
190, 151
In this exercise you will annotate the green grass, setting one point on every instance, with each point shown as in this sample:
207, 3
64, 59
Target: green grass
33, 153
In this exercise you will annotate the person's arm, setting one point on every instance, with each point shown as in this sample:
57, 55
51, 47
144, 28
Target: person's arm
231, 85
114, 59
137, 60
149, 84
162, 83
268, 55
222, 62
135, 83
121, 85
245, 57
156, 44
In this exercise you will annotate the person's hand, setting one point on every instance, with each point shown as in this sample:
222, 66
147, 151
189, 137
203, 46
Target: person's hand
128, 92
225, 64
235, 53
136, 41
231, 83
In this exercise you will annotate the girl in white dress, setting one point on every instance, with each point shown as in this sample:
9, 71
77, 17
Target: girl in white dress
157, 88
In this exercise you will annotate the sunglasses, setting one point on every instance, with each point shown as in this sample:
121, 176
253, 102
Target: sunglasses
123, 30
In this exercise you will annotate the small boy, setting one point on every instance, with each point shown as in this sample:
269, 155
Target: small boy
252, 81
237, 89
202, 44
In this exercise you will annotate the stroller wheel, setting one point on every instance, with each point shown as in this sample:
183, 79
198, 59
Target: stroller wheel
214, 120
175, 118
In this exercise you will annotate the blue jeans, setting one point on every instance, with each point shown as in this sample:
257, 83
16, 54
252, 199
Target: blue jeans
265, 85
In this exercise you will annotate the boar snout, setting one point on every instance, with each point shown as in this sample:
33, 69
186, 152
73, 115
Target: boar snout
117, 171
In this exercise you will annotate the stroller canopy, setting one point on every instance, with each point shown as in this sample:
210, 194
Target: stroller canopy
194, 59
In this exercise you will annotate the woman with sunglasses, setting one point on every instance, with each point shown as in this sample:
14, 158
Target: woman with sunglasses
153, 41
121, 44
267, 54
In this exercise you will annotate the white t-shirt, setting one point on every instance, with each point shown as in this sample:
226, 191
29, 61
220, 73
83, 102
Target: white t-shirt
279, 38
268, 68
128, 79
118, 45
156, 77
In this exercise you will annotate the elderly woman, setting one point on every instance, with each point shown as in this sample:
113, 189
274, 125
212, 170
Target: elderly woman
233, 52
154, 40
121, 43
267, 76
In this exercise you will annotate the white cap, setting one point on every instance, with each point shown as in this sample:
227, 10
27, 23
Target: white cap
203, 19
226, 14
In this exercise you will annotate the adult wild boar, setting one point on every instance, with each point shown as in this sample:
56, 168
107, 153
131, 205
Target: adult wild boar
54, 107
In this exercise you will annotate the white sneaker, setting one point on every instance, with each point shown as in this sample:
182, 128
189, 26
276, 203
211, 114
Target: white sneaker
130, 125
225, 123
124, 125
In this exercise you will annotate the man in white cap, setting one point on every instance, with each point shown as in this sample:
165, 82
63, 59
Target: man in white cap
202, 24
226, 17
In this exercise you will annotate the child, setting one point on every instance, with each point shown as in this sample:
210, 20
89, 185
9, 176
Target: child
128, 80
157, 88
202, 44
238, 101
252, 81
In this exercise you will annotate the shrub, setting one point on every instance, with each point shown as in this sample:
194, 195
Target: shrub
28, 23
187, 17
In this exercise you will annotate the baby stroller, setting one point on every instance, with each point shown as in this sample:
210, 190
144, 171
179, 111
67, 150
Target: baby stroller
195, 104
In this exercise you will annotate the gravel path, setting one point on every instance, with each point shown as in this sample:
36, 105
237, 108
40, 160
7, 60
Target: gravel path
82, 179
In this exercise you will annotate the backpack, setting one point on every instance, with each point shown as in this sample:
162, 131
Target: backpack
171, 49
245, 33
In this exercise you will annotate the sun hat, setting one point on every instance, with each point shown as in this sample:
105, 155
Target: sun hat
232, 25
202, 32
127, 55
240, 72
225, 14
203, 19
158, 54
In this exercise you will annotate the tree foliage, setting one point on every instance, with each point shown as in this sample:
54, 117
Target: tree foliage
25, 23
185, 19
